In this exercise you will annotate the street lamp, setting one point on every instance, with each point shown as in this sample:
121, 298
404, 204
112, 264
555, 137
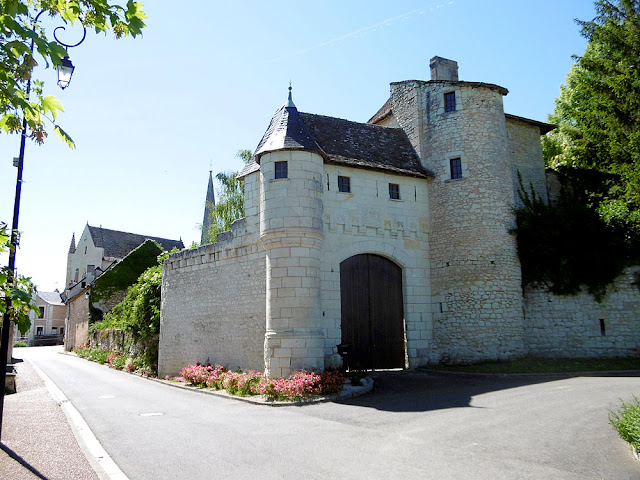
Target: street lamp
65, 71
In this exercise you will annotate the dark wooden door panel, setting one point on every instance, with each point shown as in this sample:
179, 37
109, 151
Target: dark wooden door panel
372, 312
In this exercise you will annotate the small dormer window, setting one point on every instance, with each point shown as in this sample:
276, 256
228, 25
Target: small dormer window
394, 191
282, 170
344, 184
450, 102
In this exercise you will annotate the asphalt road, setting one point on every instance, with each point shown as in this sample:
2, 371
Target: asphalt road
412, 425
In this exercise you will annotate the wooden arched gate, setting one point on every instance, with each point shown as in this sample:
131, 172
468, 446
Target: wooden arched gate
372, 312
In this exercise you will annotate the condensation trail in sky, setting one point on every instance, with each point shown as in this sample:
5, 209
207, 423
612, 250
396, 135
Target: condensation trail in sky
384, 23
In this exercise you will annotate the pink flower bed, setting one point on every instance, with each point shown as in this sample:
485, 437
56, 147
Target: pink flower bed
298, 386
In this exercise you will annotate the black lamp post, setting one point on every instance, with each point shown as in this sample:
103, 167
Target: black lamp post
65, 71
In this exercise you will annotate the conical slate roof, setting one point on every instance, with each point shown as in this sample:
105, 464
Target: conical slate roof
286, 131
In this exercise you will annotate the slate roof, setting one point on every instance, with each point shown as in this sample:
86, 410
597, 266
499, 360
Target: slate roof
52, 298
118, 244
209, 205
339, 141
286, 131
362, 145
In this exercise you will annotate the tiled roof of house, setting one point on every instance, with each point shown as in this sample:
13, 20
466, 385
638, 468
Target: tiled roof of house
118, 244
52, 298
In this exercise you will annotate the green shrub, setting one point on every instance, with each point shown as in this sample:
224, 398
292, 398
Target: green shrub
19, 344
97, 355
626, 421
83, 350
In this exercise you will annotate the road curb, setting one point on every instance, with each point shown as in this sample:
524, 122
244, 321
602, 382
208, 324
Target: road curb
348, 391
98, 458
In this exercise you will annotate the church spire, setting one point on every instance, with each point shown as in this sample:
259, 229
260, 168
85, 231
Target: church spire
72, 247
209, 205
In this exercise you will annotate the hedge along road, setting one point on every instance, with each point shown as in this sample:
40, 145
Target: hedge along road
412, 425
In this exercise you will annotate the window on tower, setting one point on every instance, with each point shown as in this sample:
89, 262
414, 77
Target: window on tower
282, 170
456, 168
450, 102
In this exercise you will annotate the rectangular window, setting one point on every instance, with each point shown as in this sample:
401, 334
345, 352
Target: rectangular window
394, 191
456, 168
450, 102
61, 330
344, 184
54, 330
41, 315
282, 170
39, 330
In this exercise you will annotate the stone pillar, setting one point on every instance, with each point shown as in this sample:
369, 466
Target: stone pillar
292, 236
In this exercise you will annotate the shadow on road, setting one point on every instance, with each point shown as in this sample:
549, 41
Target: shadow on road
421, 390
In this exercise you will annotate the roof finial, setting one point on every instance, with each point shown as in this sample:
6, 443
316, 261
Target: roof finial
290, 101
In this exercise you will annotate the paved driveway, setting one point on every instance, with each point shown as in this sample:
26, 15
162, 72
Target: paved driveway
412, 425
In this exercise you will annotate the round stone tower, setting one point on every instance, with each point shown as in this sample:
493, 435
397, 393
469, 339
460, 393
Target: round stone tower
459, 130
291, 169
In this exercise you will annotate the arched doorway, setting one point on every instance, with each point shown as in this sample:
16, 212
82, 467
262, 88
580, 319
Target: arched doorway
372, 312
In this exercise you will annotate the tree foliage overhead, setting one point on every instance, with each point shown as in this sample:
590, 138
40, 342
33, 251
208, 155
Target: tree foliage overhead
230, 205
598, 110
18, 32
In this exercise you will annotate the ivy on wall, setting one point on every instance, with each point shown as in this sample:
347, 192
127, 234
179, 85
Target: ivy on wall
567, 244
127, 272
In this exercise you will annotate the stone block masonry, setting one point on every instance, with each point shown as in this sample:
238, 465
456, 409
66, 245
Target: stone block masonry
578, 326
213, 307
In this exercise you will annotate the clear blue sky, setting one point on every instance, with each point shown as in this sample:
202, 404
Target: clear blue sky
149, 114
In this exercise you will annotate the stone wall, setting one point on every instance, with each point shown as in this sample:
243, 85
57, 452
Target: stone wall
213, 304
578, 326
526, 152
77, 331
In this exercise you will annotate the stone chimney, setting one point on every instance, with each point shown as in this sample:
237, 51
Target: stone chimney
444, 69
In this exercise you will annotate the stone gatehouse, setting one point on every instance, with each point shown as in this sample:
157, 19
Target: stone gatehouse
382, 244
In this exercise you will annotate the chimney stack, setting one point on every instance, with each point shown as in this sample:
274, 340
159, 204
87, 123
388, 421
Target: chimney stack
444, 69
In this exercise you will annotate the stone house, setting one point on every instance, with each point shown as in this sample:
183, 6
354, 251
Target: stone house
98, 250
384, 244
48, 320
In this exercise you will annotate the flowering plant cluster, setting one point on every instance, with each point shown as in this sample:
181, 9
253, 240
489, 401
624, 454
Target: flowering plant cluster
298, 386
331, 382
115, 360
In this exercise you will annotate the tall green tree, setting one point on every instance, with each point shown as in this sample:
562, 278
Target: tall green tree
598, 110
230, 205
18, 29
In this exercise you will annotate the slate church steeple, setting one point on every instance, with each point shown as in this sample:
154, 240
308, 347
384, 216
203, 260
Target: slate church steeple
209, 205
